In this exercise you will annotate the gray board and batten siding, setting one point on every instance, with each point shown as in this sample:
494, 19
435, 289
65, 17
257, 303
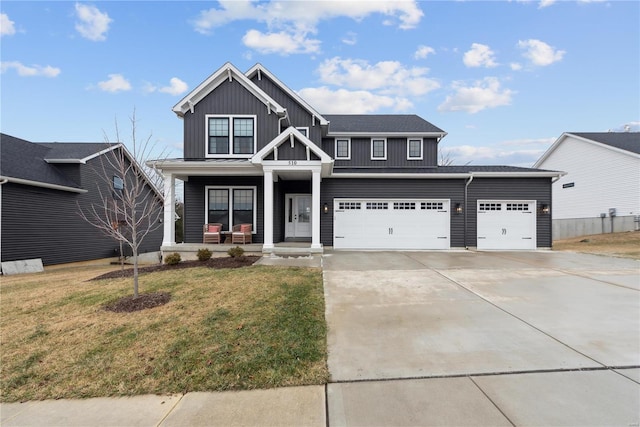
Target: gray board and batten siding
45, 223
396, 153
230, 98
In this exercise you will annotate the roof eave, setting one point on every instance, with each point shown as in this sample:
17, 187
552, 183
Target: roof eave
42, 184
439, 135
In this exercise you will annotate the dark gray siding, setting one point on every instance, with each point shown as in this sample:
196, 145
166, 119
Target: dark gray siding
396, 154
298, 152
396, 189
194, 203
298, 116
538, 189
43, 223
228, 98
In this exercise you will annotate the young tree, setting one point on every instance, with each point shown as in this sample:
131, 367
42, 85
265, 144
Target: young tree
134, 206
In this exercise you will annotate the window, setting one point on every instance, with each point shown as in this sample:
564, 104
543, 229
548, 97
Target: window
403, 206
230, 136
118, 183
304, 131
349, 205
343, 149
490, 206
432, 206
231, 206
517, 206
414, 149
377, 205
378, 149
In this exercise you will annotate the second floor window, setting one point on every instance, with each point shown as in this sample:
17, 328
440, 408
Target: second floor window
343, 149
414, 149
378, 149
228, 136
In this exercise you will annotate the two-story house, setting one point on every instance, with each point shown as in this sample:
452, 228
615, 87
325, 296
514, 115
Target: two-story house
256, 152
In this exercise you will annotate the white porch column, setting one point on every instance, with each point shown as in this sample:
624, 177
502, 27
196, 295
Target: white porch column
315, 209
268, 210
169, 237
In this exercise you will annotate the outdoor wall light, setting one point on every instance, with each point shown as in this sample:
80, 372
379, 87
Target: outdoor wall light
325, 208
458, 208
544, 209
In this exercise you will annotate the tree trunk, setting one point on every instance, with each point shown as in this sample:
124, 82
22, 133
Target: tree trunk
135, 274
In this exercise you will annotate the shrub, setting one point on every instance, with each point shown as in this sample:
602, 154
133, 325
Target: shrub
204, 254
235, 252
173, 259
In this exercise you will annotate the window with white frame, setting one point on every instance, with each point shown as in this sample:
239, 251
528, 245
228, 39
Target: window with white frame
229, 136
414, 149
378, 149
343, 148
231, 206
304, 131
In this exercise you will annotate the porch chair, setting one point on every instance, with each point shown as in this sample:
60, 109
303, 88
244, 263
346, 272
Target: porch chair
241, 233
211, 233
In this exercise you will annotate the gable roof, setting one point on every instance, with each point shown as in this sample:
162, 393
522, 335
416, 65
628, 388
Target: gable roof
623, 142
76, 152
24, 162
383, 124
628, 141
227, 72
259, 69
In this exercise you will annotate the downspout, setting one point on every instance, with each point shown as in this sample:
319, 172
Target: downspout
286, 116
466, 186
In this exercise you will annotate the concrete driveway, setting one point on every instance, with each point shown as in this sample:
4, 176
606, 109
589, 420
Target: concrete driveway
483, 338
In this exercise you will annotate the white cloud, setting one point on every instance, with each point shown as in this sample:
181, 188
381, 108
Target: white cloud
484, 94
34, 70
7, 27
423, 51
281, 42
515, 66
387, 77
342, 101
93, 24
540, 53
545, 3
350, 38
176, 87
116, 83
298, 19
480, 55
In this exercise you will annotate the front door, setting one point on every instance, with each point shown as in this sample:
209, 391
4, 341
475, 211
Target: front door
298, 216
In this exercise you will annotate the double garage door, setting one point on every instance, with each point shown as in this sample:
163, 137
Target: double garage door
425, 224
391, 224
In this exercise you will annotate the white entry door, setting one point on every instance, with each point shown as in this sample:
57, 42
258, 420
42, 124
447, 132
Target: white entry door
506, 224
298, 216
391, 224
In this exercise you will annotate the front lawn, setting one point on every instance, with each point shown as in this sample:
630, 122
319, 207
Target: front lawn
226, 329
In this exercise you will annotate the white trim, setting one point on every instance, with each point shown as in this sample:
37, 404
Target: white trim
261, 70
230, 188
106, 150
286, 135
43, 184
542, 174
384, 140
348, 149
227, 72
438, 135
231, 117
65, 161
565, 135
409, 148
306, 128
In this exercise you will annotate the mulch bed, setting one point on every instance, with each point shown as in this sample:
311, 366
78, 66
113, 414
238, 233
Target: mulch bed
222, 262
130, 304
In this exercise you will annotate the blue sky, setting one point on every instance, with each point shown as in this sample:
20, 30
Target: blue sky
504, 79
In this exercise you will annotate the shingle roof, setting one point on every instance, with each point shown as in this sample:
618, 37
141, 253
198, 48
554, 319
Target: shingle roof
440, 169
25, 160
73, 150
379, 123
628, 141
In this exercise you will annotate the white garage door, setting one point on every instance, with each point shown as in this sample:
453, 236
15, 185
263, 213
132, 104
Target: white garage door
506, 224
391, 224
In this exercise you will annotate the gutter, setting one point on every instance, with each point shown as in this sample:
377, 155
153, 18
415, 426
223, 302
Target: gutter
4, 180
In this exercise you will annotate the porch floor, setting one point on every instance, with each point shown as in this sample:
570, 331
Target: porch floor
188, 251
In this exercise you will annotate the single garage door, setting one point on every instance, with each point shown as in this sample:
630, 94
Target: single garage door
506, 224
391, 224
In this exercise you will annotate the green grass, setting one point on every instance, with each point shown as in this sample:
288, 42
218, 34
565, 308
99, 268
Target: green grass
254, 327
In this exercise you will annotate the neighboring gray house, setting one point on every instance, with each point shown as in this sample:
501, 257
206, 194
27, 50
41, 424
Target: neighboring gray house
603, 178
256, 152
41, 186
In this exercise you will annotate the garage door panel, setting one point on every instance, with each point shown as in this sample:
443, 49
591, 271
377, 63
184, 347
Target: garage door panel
506, 225
391, 224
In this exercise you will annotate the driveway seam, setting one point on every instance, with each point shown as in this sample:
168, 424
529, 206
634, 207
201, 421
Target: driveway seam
170, 411
492, 402
516, 317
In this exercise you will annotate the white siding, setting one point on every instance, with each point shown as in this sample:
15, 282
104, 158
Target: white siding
603, 178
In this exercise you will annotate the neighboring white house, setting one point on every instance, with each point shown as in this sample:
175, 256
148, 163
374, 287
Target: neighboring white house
601, 189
